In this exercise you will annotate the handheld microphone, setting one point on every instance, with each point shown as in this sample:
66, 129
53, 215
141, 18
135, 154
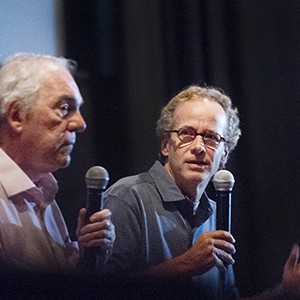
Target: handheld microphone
96, 180
223, 182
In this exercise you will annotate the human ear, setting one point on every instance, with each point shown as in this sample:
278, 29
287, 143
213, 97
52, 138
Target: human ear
15, 116
164, 145
224, 156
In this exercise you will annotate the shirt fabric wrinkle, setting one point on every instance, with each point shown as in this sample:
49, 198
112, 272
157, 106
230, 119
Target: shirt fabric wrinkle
150, 228
33, 233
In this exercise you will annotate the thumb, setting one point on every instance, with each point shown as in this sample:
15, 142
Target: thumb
293, 258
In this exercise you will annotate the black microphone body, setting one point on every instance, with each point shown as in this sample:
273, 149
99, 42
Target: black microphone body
96, 181
223, 210
94, 201
223, 183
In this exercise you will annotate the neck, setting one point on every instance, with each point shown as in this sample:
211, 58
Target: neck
192, 191
24, 164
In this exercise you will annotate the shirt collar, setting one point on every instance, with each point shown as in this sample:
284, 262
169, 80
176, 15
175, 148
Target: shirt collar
170, 192
16, 182
44, 191
166, 186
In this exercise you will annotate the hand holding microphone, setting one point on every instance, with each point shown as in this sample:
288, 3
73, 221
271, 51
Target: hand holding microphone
214, 248
95, 232
223, 182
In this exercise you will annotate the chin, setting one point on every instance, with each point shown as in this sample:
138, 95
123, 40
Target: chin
200, 172
64, 163
200, 177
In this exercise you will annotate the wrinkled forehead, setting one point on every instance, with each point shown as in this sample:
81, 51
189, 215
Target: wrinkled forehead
61, 82
199, 109
201, 116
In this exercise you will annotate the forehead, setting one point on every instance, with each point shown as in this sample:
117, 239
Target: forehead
198, 111
56, 84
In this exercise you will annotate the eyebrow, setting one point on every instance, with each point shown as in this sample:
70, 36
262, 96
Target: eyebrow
69, 98
193, 128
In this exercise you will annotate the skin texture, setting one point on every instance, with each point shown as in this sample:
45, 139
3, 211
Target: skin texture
193, 164
47, 135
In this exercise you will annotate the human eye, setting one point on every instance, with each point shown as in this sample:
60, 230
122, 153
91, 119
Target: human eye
212, 138
64, 109
186, 134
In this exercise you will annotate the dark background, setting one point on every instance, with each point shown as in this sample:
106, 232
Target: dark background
134, 56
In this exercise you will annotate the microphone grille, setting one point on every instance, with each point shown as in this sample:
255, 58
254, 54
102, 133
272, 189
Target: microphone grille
223, 181
96, 178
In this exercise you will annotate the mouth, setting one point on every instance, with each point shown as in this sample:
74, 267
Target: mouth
67, 147
198, 165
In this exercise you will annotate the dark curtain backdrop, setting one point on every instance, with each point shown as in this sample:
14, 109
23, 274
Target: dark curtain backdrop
134, 56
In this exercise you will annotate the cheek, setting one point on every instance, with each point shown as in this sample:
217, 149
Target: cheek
174, 153
216, 159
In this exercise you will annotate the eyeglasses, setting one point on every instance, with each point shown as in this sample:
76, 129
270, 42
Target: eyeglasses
187, 135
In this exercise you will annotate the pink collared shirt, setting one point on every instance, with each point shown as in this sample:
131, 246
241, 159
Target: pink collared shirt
33, 233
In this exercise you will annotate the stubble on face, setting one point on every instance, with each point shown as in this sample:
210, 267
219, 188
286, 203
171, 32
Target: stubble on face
187, 165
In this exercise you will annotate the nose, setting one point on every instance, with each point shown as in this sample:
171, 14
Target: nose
198, 145
77, 123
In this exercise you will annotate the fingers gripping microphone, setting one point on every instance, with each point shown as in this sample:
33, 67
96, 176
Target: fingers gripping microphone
96, 180
223, 183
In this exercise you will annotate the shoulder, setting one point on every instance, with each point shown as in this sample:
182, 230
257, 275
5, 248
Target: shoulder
130, 189
129, 183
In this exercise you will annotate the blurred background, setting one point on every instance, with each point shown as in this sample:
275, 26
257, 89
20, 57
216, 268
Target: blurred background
134, 56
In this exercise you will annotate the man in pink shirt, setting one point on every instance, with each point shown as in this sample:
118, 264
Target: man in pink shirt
39, 118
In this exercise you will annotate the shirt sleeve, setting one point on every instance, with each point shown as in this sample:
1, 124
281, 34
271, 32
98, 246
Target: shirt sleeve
127, 252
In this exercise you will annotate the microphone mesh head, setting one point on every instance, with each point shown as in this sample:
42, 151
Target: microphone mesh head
223, 181
96, 178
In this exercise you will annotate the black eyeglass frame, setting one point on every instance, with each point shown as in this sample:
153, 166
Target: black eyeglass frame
207, 141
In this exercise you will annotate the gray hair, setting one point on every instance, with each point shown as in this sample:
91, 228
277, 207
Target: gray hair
21, 76
232, 132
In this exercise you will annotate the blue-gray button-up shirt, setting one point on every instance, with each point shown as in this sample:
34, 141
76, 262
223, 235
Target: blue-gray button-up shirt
153, 226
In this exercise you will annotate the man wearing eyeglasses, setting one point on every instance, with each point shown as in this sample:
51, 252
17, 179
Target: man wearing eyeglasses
165, 223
